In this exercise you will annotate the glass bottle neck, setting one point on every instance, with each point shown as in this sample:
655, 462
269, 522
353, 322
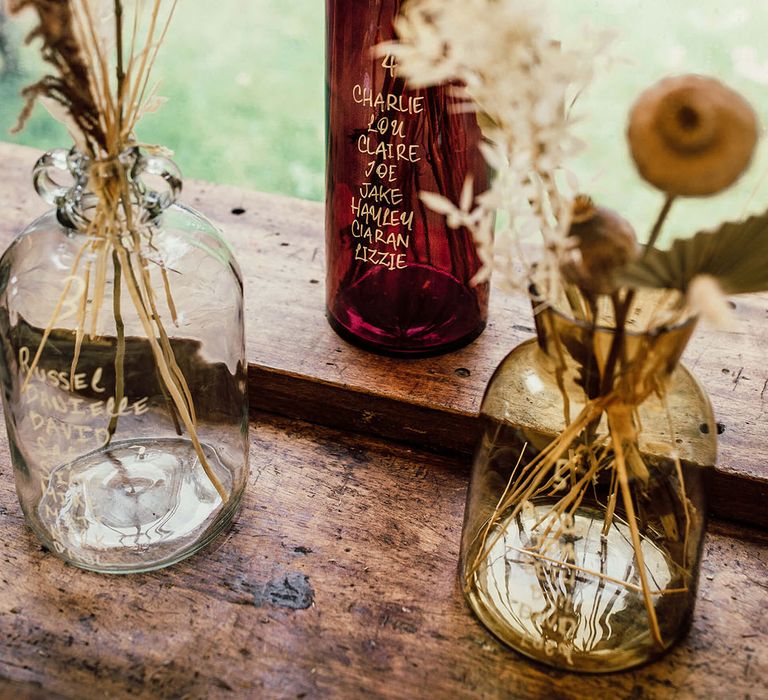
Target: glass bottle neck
140, 185
626, 364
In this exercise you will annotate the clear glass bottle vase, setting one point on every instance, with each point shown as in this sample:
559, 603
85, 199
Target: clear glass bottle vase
587, 505
123, 366
399, 280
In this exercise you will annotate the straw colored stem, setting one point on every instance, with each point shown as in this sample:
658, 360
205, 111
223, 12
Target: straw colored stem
54, 316
80, 332
142, 94
165, 342
590, 572
169, 296
681, 480
98, 286
659, 224
626, 494
610, 509
539, 469
120, 350
140, 288
495, 513
176, 396
100, 77
171, 408
560, 368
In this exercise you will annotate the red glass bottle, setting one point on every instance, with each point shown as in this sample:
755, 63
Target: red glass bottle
398, 279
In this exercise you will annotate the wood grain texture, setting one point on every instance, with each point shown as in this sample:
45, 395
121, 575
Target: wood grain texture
300, 368
338, 580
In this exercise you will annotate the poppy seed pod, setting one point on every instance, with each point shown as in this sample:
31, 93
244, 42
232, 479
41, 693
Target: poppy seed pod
691, 135
606, 241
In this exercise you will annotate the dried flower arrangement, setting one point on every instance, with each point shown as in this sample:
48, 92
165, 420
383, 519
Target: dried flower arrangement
589, 282
100, 55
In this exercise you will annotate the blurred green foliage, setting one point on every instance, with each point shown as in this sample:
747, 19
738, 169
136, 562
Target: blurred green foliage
245, 82
245, 89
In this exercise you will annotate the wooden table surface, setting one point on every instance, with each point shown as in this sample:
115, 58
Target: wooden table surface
338, 581
339, 578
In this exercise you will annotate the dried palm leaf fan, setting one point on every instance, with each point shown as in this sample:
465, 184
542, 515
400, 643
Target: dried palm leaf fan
101, 56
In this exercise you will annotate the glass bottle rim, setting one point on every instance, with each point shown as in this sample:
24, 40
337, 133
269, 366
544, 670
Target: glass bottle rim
540, 305
154, 182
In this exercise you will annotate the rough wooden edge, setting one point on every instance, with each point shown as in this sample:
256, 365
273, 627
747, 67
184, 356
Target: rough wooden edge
734, 497
335, 406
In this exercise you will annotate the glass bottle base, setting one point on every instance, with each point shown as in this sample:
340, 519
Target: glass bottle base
415, 312
136, 505
568, 606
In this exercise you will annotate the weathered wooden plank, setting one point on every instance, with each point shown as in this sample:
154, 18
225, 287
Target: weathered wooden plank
337, 581
301, 369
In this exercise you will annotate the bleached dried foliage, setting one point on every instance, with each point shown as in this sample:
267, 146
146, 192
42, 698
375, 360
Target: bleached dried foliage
523, 85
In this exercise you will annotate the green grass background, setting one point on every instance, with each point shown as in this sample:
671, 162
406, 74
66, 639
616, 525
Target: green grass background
246, 94
245, 86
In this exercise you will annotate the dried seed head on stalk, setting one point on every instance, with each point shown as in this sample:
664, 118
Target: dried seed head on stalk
69, 85
100, 55
519, 79
690, 135
606, 242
